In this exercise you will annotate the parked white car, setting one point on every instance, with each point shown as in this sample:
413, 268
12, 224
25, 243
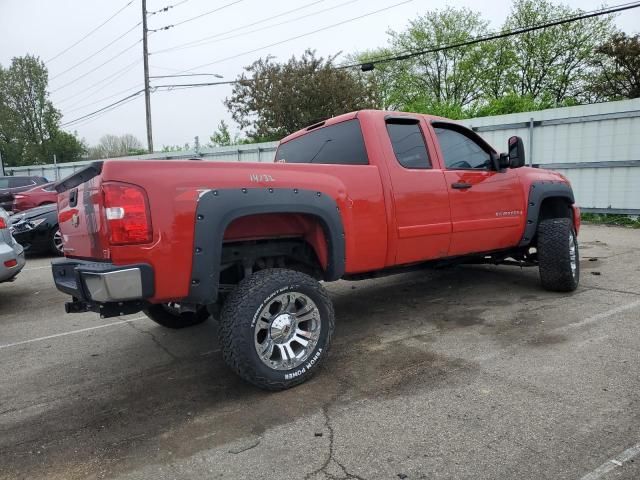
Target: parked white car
11, 252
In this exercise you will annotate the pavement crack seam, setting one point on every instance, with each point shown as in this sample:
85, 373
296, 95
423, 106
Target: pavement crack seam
248, 447
331, 455
588, 287
154, 340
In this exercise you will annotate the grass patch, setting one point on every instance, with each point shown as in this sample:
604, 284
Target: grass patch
611, 219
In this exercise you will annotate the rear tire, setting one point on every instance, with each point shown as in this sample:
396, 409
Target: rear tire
276, 327
558, 256
168, 317
56, 241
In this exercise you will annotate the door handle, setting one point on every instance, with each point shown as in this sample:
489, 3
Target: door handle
461, 185
73, 197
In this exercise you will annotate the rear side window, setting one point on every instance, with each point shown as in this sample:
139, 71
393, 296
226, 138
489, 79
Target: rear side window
21, 182
341, 143
460, 152
408, 145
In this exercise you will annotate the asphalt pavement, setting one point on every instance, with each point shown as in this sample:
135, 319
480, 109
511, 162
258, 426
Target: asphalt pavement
470, 372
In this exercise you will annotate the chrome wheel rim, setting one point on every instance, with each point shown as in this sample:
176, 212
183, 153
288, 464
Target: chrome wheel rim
287, 330
573, 254
57, 241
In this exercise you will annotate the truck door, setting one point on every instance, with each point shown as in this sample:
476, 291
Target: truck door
487, 206
420, 199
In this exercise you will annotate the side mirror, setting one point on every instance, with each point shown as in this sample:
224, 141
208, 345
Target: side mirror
516, 152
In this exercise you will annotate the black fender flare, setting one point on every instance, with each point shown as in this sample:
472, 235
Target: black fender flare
216, 209
538, 192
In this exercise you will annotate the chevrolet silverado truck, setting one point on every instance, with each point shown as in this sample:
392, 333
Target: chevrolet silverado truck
357, 196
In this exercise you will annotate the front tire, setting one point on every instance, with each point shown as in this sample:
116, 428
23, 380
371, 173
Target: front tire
169, 316
276, 327
558, 256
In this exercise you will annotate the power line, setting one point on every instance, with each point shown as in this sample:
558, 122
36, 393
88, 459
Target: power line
188, 75
96, 52
99, 66
167, 8
370, 65
167, 27
75, 109
107, 79
187, 44
344, 4
96, 116
111, 105
483, 38
299, 36
178, 86
169, 87
90, 33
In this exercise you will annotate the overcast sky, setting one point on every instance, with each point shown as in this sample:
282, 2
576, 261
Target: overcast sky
45, 28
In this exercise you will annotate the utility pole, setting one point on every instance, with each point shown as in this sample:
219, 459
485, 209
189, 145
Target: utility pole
147, 96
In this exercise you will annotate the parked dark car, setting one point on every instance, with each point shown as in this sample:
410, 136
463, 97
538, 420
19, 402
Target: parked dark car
37, 230
11, 185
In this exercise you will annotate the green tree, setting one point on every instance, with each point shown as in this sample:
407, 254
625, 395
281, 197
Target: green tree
271, 100
222, 136
450, 78
176, 148
531, 71
554, 63
29, 123
618, 65
381, 81
509, 103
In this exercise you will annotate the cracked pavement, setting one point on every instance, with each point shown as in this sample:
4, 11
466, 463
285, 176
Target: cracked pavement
472, 372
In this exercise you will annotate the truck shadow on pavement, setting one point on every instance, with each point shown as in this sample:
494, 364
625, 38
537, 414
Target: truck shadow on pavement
382, 348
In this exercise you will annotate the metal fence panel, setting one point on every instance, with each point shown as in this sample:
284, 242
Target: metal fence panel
596, 146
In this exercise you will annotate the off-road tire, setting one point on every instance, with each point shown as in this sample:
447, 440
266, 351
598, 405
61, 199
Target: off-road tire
554, 260
167, 319
239, 316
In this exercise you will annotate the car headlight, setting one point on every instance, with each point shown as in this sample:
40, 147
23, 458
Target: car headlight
25, 225
36, 222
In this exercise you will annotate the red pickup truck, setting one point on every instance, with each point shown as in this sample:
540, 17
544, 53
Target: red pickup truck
360, 195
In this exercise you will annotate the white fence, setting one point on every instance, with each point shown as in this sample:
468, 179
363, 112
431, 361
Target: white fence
596, 146
257, 152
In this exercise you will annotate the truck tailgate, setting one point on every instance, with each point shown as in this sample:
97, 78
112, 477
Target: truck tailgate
80, 214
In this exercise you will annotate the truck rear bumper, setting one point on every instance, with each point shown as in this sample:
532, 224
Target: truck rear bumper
103, 287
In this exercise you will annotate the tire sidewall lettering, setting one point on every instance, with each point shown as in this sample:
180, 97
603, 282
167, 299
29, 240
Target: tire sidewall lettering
273, 295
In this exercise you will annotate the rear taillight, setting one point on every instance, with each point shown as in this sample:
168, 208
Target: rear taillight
3, 223
127, 211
